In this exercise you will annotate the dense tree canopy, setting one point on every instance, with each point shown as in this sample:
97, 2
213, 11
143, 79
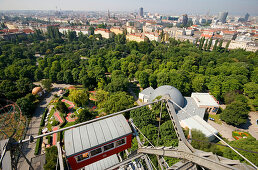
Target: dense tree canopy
235, 113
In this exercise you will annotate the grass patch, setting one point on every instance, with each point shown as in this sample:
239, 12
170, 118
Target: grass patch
69, 124
216, 118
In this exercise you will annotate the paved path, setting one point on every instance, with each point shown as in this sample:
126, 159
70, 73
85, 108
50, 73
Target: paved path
55, 135
251, 126
33, 130
35, 125
224, 129
134, 96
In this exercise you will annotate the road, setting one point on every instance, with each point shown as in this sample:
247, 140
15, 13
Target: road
35, 125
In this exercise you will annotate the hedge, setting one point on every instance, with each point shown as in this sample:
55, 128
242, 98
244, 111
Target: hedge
42, 122
38, 143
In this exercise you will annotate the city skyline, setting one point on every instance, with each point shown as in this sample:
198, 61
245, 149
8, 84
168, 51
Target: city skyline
174, 7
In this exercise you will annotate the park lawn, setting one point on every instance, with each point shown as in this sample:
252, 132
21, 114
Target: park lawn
216, 118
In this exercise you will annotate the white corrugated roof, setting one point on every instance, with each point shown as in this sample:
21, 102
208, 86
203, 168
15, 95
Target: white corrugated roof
91, 135
195, 122
103, 163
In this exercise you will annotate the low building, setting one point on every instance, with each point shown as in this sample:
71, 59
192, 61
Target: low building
248, 46
207, 101
117, 30
228, 35
191, 39
135, 37
145, 94
153, 36
197, 123
105, 33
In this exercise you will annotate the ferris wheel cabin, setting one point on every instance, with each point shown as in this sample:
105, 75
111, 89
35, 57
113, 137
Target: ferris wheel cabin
92, 142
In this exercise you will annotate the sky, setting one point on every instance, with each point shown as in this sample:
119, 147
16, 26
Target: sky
173, 7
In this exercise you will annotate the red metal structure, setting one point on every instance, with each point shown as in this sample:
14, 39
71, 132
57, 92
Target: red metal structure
92, 142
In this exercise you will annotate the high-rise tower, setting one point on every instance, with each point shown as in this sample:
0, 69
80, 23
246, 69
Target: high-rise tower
141, 12
246, 16
223, 16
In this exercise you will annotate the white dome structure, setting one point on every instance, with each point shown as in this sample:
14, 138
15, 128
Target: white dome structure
173, 92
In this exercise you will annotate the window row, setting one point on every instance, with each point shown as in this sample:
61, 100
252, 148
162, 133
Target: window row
100, 150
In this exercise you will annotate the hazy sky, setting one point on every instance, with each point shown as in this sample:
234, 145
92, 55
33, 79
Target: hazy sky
234, 7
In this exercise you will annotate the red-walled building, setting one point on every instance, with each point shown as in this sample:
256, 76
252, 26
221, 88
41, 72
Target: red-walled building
87, 144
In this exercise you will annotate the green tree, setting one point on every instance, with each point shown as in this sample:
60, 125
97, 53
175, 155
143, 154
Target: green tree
84, 115
61, 107
235, 114
80, 97
209, 45
24, 85
200, 141
26, 105
251, 89
215, 45
118, 101
47, 84
198, 83
51, 158
227, 45
68, 77
144, 79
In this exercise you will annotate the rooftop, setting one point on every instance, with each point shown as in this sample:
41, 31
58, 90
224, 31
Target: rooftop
94, 134
191, 108
196, 122
103, 163
204, 100
148, 91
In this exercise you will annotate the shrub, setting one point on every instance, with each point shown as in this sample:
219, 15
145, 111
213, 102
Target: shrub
42, 122
38, 143
55, 123
51, 157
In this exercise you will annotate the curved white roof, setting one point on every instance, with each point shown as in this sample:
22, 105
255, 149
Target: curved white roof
91, 135
173, 92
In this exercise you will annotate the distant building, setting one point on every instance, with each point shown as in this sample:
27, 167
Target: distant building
141, 12
247, 16
117, 30
105, 33
153, 36
185, 20
223, 17
228, 35
135, 37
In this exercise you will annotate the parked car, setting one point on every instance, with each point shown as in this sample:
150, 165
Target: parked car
211, 118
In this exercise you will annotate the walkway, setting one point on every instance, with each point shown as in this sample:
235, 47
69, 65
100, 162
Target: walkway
54, 140
33, 130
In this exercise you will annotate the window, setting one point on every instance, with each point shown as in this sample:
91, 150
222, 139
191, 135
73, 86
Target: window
96, 152
109, 146
83, 156
120, 142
